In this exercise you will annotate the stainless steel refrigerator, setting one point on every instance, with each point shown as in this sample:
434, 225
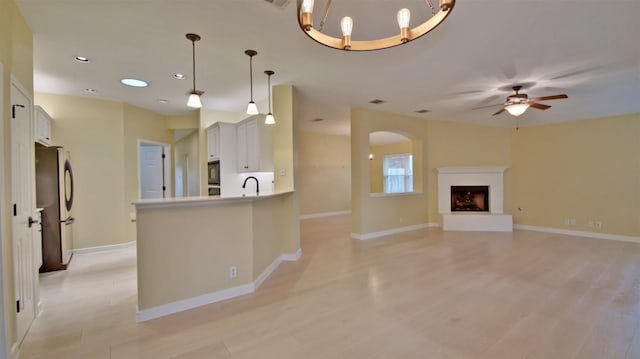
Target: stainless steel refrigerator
54, 194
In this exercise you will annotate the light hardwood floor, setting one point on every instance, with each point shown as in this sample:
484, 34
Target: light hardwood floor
422, 294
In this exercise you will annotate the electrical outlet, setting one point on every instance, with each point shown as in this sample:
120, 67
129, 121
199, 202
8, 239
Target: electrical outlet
590, 223
598, 224
283, 171
233, 272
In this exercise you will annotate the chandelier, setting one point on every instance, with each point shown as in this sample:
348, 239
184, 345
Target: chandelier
405, 34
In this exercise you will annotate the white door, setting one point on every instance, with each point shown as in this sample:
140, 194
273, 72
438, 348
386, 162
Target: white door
22, 207
151, 171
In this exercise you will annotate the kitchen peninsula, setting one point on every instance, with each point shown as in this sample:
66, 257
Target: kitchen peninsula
200, 250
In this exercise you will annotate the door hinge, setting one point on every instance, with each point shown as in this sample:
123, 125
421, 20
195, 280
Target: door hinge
163, 156
17, 306
164, 188
13, 110
15, 209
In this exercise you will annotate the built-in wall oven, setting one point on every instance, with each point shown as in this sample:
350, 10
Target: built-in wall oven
213, 178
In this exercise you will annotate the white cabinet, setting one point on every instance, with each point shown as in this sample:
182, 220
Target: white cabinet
42, 126
254, 142
213, 142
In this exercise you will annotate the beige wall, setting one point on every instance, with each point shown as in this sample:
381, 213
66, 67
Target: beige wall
585, 170
16, 56
139, 124
324, 173
375, 214
92, 130
188, 147
102, 137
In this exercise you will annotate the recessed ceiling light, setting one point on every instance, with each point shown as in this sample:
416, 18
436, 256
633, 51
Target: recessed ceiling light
134, 83
180, 76
163, 100
81, 59
90, 90
317, 119
377, 102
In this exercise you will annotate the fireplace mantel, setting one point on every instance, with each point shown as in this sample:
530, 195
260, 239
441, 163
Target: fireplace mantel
495, 220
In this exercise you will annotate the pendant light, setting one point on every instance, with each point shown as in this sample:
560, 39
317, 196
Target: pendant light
194, 95
269, 120
252, 109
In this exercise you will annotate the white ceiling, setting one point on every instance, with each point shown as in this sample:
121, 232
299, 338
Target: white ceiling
587, 49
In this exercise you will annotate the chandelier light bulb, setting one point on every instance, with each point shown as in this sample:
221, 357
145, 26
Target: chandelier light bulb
517, 109
347, 27
307, 6
404, 15
194, 100
306, 18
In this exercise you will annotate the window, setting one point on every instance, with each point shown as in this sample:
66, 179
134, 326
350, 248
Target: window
398, 173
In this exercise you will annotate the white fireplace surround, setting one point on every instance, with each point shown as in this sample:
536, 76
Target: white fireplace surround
492, 177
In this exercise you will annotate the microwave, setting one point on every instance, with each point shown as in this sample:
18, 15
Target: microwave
213, 173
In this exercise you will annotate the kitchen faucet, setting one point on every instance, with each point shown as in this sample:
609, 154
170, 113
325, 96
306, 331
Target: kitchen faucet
257, 184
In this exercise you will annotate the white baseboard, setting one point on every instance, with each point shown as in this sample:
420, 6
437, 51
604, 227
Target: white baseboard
614, 237
185, 304
364, 236
104, 248
292, 257
323, 214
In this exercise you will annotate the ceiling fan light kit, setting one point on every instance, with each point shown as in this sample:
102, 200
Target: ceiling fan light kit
405, 35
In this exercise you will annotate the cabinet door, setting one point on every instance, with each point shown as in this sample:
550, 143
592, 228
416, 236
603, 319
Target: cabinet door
43, 127
213, 143
241, 143
253, 146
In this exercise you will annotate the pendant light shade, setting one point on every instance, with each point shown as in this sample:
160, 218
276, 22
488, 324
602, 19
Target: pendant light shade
194, 100
252, 109
194, 95
269, 120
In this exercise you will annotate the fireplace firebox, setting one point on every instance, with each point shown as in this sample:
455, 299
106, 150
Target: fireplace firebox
469, 198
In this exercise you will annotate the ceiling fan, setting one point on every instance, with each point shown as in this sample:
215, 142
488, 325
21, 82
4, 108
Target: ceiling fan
517, 104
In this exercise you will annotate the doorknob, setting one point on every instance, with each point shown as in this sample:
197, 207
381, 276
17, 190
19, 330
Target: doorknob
32, 221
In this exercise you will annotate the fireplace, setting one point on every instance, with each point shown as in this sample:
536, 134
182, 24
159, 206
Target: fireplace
465, 202
469, 198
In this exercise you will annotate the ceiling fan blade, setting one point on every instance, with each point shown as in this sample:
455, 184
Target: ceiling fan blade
499, 112
547, 98
539, 106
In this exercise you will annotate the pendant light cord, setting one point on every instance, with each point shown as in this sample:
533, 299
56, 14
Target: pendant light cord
193, 47
269, 85
251, 75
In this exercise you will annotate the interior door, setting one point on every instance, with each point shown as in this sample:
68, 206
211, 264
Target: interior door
22, 207
151, 171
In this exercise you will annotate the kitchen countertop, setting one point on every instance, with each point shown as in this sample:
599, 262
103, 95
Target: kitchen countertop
201, 200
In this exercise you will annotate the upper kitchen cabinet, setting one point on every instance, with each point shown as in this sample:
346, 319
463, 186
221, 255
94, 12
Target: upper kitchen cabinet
42, 126
213, 142
254, 145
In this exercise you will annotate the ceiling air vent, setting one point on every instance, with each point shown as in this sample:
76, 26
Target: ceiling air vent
279, 3
422, 111
377, 102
